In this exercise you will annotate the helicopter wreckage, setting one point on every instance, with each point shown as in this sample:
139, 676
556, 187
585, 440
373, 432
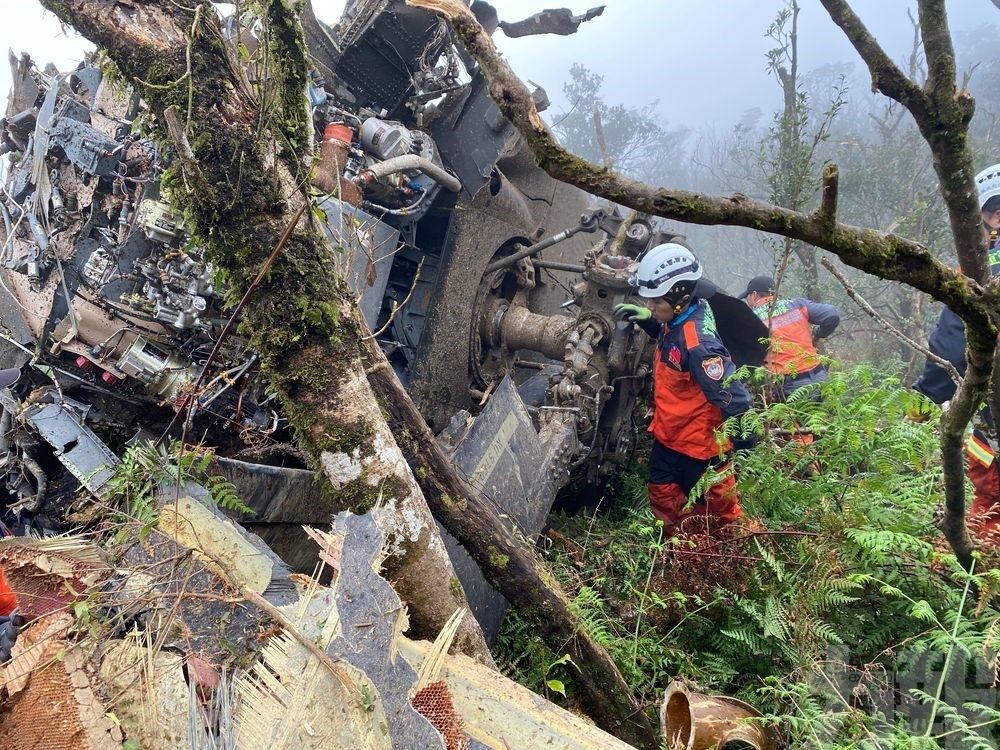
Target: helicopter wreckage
489, 286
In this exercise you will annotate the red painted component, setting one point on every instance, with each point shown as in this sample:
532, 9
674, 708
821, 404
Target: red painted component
338, 132
83, 363
109, 378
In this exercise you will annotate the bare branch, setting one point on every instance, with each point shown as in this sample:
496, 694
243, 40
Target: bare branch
178, 136
864, 305
886, 75
827, 211
601, 142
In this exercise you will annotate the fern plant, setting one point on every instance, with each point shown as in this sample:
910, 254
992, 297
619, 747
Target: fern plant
837, 567
145, 467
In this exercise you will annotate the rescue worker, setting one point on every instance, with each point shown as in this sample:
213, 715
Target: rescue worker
792, 354
948, 342
693, 389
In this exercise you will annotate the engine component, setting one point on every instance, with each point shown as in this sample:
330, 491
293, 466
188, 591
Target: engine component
408, 166
84, 146
334, 162
386, 140
164, 374
99, 268
158, 222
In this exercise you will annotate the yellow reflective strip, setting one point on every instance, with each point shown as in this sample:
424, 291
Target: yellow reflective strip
980, 452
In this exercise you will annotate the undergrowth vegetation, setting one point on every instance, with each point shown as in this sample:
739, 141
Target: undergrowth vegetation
146, 467
833, 606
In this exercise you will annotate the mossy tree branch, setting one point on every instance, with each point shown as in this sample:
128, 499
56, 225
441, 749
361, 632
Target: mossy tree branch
942, 113
303, 321
942, 120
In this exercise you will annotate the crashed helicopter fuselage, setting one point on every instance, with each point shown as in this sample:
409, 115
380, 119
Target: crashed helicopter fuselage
442, 216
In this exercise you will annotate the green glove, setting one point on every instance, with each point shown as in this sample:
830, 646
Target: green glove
632, 313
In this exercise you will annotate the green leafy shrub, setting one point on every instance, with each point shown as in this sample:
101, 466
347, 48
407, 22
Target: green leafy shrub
145, 467
836, 573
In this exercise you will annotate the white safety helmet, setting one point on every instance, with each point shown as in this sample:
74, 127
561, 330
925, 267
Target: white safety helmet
664, 267
988, 184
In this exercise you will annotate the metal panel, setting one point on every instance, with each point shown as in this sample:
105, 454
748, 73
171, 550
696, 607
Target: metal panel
502, 457
76, 446
368, 246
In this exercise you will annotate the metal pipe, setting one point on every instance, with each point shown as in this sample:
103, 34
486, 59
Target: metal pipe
517, 327
532, 250
556, 266
407, 162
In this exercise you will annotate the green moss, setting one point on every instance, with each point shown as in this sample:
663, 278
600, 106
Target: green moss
497, 560
456, 589
359, 496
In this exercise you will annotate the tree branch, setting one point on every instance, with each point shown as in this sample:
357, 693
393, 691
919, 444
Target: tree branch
886, 75
827, 211
938, 49
864, 305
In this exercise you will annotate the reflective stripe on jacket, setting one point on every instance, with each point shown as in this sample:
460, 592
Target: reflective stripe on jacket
792, 349
980, 450
693, 389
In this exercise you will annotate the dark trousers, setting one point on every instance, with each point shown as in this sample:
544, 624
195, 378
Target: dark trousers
673, 475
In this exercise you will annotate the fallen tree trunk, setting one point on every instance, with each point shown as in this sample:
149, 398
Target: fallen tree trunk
510, 564
304, 324
240, 189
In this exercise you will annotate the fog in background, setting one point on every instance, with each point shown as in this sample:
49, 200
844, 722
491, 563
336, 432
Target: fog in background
703, 61
695, 73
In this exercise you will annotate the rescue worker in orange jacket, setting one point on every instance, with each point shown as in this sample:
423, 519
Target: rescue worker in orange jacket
948, 342
693, 389
792, 355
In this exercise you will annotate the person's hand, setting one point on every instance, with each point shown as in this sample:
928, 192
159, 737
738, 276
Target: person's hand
631, 313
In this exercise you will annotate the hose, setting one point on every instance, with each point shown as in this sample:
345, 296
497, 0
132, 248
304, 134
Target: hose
40, 481
407, 162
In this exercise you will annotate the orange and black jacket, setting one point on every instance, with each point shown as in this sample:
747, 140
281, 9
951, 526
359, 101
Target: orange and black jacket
792, 349
694, 391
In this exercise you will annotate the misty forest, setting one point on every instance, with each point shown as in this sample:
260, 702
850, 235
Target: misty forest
356, 392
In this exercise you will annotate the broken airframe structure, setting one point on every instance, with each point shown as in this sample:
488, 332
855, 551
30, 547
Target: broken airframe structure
514, 359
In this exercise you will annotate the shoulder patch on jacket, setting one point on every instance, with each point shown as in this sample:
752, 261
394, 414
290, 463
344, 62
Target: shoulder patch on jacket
690, 330
714, 367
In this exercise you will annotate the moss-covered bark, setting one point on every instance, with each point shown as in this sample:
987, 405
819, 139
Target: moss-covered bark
239, 182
